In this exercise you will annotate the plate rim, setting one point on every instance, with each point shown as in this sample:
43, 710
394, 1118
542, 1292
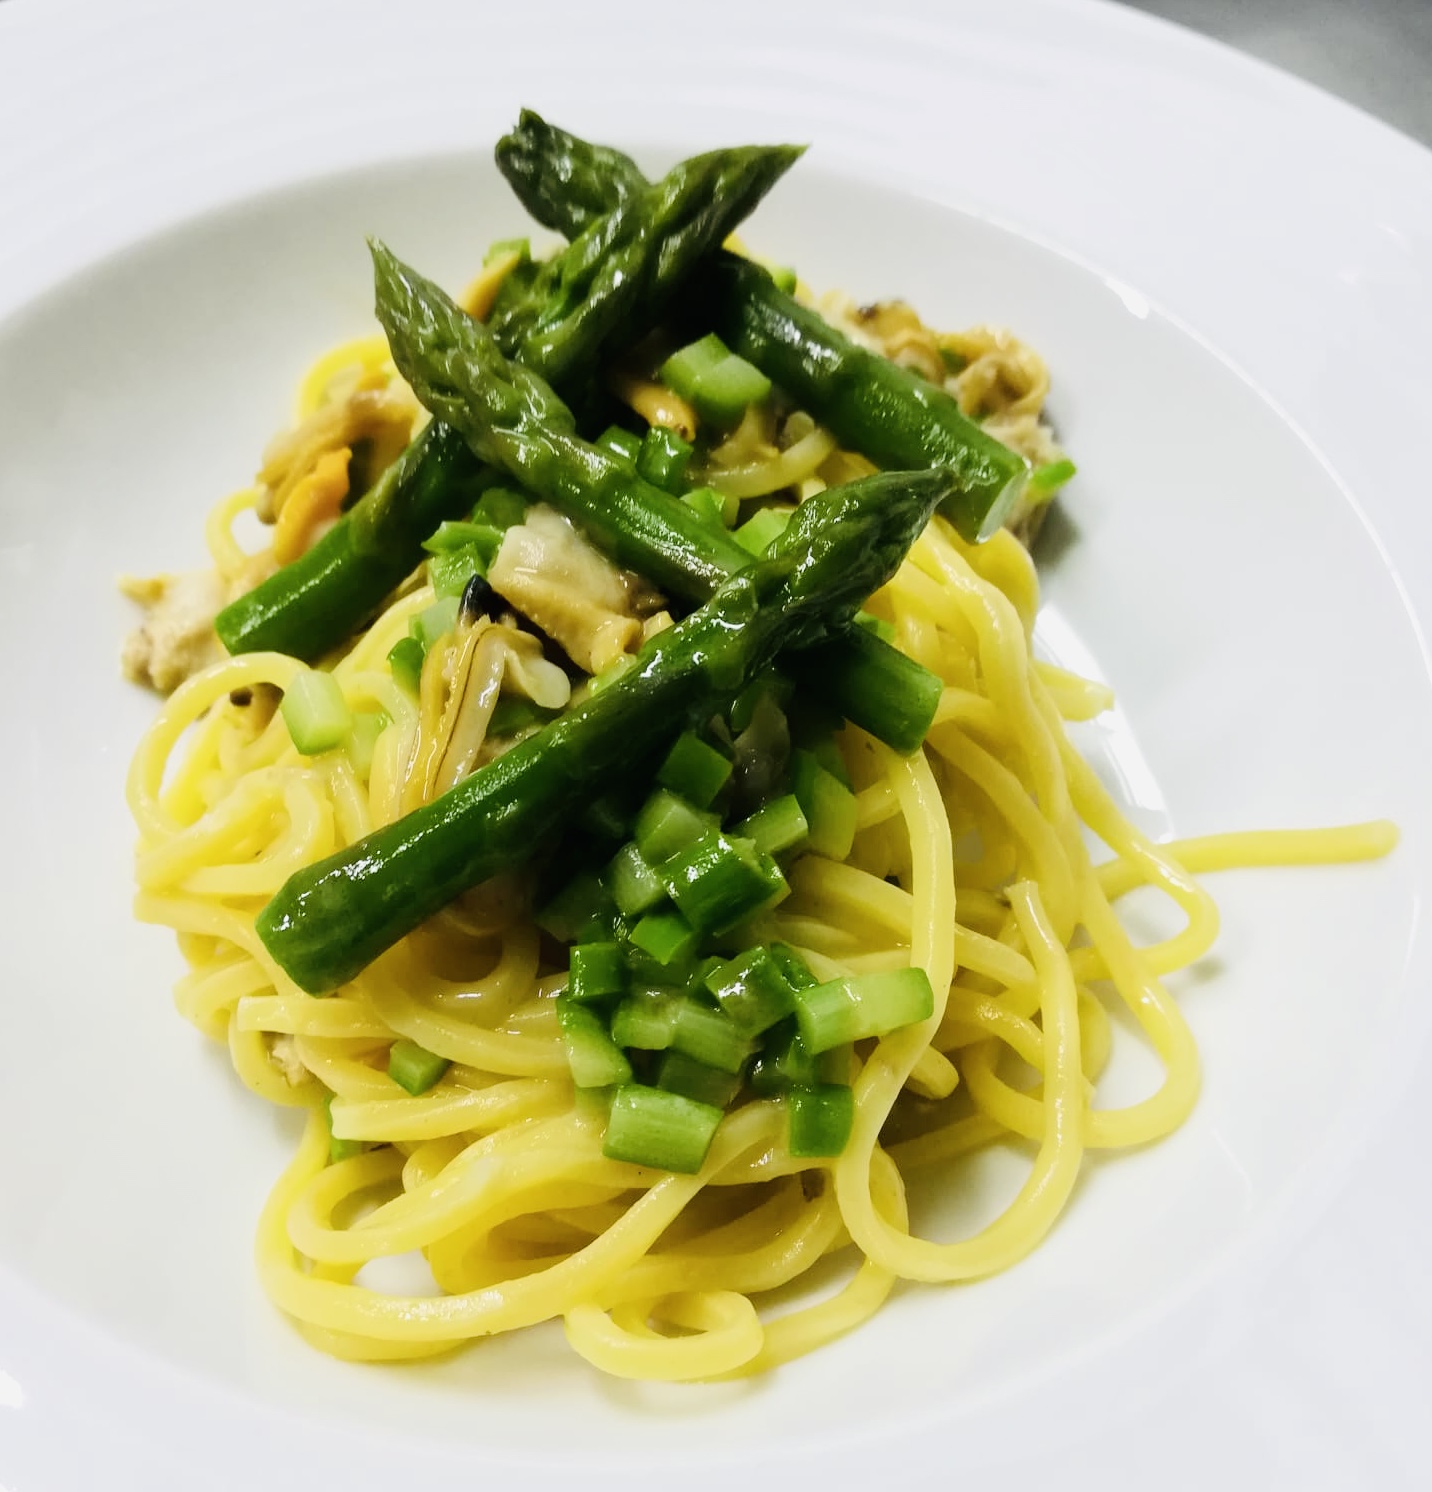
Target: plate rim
1380, 147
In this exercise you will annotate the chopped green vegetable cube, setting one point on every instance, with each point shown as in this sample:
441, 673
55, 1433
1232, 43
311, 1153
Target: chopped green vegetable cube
828, 805
688, 364
437, 621
368, 725
666, 937
717, 382
719, 511
821, 1119
651, 1127
667, 824
676, 973
459, 551
763, 528
459, 534
793, 966
864, 1005
405, 658
339, 1149
596, 1061
826, 750
500, 508
597, 971
752, 990
729, 389
621, 443
449, 572
777, 827
315, 711
718, 881
709, 1035
783, 1063
635, 885
694, 770
692, 1079
645, 1019
414, 1068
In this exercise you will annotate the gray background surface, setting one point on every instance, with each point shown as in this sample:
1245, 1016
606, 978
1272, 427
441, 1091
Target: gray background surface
1377, 54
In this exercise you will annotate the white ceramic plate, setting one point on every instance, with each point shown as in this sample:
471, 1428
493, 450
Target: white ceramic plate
1231, 276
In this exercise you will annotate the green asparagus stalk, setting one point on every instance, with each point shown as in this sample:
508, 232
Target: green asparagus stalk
565, 182
313, 604
888, 413
511, 418
330, 920
602, 292
616, 278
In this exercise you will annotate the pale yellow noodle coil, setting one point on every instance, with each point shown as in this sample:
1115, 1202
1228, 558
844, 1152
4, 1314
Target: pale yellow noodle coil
391, 984
342, 1066
801, 1331
365, 355
356, 1311
230, 558
302, 1015
727, 1334
450, 1109
157, 818
250, 1055
216, 991
1005, 667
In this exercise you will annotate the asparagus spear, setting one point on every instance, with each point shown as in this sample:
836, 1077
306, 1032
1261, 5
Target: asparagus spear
567, 183
330, 920
886, 412
602, 292
511, 417
615, 279
314, 603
